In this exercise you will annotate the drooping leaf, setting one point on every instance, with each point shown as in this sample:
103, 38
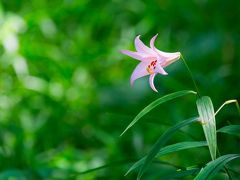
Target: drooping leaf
156, 103
231, 129
207, 118
213, 167
170, 149
161, 142
229, 102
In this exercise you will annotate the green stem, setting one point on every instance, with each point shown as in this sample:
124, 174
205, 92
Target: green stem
194, 82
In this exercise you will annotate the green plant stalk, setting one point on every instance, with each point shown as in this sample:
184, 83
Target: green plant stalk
191, 75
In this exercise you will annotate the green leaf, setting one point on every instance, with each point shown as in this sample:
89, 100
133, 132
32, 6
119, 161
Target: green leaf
231, 129
214, 166
181, 146
229, 102
156, 103
170, 149
207, 118
108, 165
161, 142
181, 173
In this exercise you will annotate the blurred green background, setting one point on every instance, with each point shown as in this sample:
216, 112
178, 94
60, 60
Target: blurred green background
65, 95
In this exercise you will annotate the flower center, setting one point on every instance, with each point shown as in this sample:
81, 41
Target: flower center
151, 67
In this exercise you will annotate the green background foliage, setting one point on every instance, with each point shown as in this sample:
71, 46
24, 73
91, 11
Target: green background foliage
65, 95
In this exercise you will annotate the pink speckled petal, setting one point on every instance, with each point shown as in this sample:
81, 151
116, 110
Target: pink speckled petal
165, 58
141, 47
139, 72
151, 82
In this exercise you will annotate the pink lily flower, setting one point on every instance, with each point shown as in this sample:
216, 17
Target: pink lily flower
152, 60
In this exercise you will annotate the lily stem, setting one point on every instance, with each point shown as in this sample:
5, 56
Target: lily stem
194, 82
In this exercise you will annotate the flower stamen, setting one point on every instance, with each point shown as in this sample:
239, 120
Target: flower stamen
151, 67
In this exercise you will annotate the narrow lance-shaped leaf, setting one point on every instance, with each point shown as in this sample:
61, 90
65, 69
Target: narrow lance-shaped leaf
207, 118
170, 149
156, 103
229, 102
213, 167
231, 129
161, 142
181, 173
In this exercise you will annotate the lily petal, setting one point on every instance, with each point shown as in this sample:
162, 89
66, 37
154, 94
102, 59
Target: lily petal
151, 82
165, 57
137, 55
152, 41
141, 47
169, 58
168, 55
159, 69
139, 72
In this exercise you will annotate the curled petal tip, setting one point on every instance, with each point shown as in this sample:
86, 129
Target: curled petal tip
122, 51
160, 70
137, 38
152, 41
151, 82
135, 55
179, 54
131, 82
154, 89
141, 47
165, 73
